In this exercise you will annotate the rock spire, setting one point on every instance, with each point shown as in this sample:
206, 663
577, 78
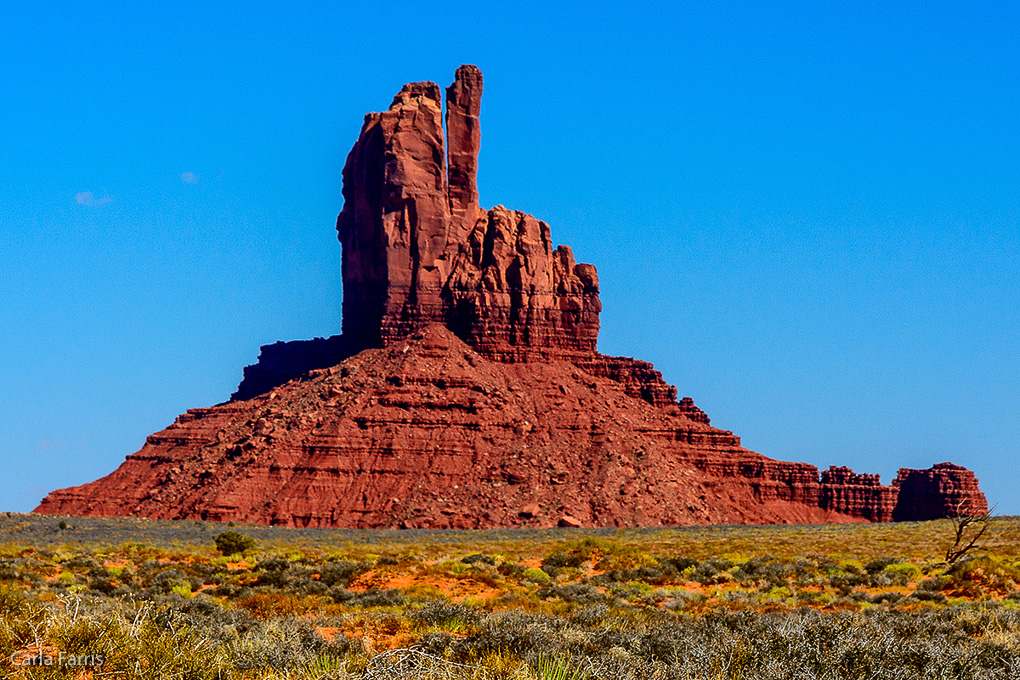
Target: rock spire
418, 249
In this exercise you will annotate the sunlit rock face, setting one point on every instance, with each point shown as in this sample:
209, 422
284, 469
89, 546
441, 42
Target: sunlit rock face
466, 389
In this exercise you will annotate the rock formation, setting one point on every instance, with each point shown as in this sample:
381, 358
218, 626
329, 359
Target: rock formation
464, 136
863, 495
466, 389
427, 432
417, 248
944, 490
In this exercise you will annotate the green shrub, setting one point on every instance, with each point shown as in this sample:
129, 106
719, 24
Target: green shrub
878, 565
478, 557
558, 560
911, 571
445, 614
231, 543
681, 564
182, 590
575, 592
513, 569
340, 572
712, 571
556, 668
536, 575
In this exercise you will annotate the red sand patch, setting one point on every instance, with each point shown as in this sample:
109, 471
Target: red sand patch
454, 588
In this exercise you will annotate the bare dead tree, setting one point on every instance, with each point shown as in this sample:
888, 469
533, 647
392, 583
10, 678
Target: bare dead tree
968, 530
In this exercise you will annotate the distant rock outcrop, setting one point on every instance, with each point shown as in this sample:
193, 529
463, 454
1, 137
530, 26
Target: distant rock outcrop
861, 495
943, 490
466, 389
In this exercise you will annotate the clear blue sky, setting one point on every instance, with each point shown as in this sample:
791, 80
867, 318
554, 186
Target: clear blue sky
805, 215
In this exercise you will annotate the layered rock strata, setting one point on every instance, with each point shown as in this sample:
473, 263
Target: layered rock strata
944, 490
466, 391
429, 433
863, 495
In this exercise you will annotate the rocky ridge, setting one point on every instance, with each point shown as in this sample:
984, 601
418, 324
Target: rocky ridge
466, 390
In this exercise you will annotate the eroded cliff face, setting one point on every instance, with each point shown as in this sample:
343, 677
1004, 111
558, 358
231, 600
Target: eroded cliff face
418, 249
466, 389
861, 495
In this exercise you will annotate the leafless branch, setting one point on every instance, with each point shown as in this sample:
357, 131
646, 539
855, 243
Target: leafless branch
968, 530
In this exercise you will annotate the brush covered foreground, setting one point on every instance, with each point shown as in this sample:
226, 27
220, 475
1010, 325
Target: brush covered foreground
157, 600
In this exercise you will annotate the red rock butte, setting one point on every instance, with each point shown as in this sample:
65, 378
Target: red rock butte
466, 391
